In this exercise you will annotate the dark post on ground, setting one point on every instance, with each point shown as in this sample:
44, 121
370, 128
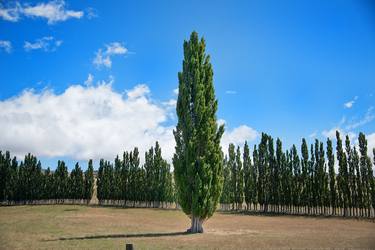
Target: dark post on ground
129, 247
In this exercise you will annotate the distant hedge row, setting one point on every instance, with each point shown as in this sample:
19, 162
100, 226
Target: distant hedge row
127, 180
27, 181
272, 180
285, 182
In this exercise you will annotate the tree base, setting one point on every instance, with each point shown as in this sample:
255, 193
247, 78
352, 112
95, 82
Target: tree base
196, 225
190, 231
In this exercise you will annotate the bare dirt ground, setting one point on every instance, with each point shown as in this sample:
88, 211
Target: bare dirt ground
83, 227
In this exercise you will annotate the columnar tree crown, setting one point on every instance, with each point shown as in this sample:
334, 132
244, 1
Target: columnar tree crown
198, 160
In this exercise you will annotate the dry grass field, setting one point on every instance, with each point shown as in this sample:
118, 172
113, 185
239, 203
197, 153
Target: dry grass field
69, 226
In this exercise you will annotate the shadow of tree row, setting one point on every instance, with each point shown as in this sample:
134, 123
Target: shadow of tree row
113, 236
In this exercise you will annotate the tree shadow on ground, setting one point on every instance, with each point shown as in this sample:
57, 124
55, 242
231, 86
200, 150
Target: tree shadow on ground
71, 210
113, 236
310, 216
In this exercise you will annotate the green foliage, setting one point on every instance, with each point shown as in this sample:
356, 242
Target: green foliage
76, 183
343, 177
233, 172
239, 194
89, 181
226, 193
289, 182
248, 176
332, 174
198, 160
61, 181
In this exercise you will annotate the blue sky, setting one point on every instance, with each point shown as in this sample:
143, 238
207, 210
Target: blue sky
292, 69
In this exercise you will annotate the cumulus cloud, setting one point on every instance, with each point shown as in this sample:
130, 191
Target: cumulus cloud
53, 12
83, 122
92, 121
47, 44
237, 136
349, 104
6, 46
103, 57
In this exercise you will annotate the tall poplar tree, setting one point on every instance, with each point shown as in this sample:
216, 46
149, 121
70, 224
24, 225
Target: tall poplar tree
358, 181
248, 171
198, 160
240, 181
366, 172
305, 176
332, 176
89, 182
254, 175
343, 174
296, 183
225, 195
233, 173
351, 174
76, 183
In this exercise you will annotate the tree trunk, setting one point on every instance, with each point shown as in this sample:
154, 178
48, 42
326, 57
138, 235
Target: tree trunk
196, 225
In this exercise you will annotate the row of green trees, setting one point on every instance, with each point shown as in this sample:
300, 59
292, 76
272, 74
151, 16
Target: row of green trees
27, 181
286, 182
128, 181
269, 180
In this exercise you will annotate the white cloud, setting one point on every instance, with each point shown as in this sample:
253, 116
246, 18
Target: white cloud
237, 136
83, 122
175, 91
348, 127
115, 48
47, 44
103, 57
53, 12
89, 80
101, 60
170, 103
91, 121
349, 104
10, 14
138, 91
6, 46
331, 134
369, 116
313, 135
91, 13
231, 92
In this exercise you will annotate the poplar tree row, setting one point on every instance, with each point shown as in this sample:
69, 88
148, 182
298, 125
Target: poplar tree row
128, 183
322, 179
27, 182
285, 182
